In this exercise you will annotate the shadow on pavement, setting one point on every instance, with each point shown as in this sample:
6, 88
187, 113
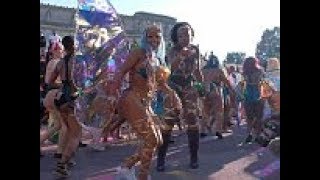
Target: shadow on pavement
218, 160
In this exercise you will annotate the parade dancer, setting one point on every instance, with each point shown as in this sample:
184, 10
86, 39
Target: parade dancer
234, 78
253, 102
214, 81
184, 61
62, 100
51, 88
134, 104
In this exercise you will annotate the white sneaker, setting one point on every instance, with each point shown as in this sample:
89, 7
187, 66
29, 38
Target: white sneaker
97, 147
124, 173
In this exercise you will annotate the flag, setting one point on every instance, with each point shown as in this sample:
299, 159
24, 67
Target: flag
99, 29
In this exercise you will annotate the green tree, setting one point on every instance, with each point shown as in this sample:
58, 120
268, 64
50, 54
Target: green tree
235, 57
269, 46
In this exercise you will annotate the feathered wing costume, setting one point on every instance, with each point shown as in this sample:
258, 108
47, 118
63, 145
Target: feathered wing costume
101, 49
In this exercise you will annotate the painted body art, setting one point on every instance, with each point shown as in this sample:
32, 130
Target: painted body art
134, 104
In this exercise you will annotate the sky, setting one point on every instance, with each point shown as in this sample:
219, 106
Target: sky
220, 26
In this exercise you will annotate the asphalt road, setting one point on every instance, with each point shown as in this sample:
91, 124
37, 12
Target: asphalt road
224, 159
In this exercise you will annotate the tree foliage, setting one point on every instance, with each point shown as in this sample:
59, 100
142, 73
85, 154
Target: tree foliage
269, 46
235, 57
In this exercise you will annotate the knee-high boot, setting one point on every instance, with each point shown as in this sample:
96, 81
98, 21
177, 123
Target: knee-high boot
193, 138
162, 150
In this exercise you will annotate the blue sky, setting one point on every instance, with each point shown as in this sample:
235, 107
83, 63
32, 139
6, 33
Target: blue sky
220, 26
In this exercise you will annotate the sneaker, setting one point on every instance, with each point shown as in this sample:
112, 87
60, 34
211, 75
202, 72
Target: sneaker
219, 135
72, 163
126, 173
62, 171
228, 131
97, 147
274, 147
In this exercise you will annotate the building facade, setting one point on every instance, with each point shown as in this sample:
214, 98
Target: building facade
61, 20
56, 19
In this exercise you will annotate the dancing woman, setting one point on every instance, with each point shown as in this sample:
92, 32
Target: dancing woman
55, 123
135, 103
253, 103
215, 81
61, 100
184, 61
